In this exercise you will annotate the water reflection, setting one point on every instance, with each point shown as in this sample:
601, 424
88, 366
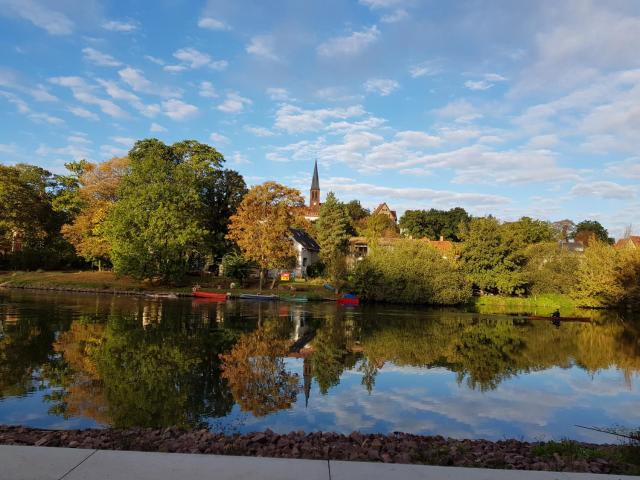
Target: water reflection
128, 361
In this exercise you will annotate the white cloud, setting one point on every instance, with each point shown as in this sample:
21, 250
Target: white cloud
381, 4
116, 26
117, 93
156, 128
194, 59
604, 190
415, 139
395, 17
139, 83
156, 60
381, 86
178, 110
263, 46
278, 94
99, 58
72, 150
83, 113
488, 80
629, 168
459, 110
240, 159
207, 90
112, 151
126, 141
349, 45
234, 103
38, 13
212, 24
423, 69
259, 131
294, 119
219, 138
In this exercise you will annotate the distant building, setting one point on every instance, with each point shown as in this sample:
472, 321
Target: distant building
383, 209
632, 241
571, 246
313, 210
359, 247
307, 251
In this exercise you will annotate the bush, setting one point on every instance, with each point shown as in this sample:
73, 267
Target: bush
550, 269
315, 270
410, 272
237, 267
607, 277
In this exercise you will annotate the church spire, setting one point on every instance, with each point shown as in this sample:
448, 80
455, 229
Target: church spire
315, 183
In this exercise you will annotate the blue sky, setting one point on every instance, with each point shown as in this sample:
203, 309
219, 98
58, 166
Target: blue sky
511, 108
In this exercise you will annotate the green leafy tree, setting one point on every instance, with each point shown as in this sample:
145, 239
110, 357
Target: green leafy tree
410, 271
434, 224
332, 233
550, 269
589, 230
380, 226
157, 225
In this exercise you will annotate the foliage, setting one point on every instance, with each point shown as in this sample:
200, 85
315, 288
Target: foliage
261, 226
356, 211
380, 226
550, 269
607, 277
28, 216
589, 230
255, 371
433, 223
236, 266
316, 270
410, 271
96, 196
493, 255
157, 223
223, 192
332, 234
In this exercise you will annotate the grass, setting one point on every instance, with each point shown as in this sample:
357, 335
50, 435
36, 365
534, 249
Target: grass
626, 456
540, 304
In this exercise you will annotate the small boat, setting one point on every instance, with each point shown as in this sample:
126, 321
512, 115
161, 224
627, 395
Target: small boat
292, 298
257, 296
218, 297
560, 319
162, 295
348, 299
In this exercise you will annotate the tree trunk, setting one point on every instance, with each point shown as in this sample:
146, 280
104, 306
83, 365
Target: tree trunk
261, 279
273, 283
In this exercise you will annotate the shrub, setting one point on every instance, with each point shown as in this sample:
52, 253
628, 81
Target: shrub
315, 270
410, 272
237, 267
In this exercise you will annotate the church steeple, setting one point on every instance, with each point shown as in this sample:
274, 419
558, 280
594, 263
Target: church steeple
314, 198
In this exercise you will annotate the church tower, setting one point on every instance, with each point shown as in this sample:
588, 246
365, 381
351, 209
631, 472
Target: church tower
314, 199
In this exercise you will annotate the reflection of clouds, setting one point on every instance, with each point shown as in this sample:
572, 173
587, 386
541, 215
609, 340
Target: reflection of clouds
540, 405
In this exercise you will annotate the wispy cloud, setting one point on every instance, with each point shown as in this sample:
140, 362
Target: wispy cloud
349, 45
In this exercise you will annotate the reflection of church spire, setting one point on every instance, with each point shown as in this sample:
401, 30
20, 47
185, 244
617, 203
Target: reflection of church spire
307, 376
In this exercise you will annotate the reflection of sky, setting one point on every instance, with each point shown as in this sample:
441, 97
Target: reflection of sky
540, 405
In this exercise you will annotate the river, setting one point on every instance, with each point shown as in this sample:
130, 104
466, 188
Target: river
83, 360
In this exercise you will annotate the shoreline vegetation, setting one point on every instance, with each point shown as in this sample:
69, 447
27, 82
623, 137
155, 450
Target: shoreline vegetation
564, 455
105, 282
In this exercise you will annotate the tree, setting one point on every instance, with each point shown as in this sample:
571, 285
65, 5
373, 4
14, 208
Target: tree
589, 230
261, 226
157, 224
380, 226
97, 194
332, 233
410, 271
223, 192
433, 223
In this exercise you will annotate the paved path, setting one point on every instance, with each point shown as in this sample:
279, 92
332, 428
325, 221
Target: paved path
46, 463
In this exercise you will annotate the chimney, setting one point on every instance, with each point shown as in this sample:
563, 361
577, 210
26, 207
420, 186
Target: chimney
442, 238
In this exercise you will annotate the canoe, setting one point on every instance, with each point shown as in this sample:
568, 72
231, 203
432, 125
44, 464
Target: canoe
257, 296
349, 301
218, 297
290, 298
561, 319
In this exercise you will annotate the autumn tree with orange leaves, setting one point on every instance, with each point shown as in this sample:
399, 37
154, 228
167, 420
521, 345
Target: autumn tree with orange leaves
262, 223
98, 193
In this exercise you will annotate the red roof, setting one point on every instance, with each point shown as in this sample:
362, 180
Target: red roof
632, 241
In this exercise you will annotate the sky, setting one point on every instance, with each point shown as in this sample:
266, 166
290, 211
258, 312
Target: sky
501, 107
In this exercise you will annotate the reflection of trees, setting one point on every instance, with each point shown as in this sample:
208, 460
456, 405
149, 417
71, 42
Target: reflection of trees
256, 373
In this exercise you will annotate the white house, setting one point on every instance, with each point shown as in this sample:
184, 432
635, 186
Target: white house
307, 251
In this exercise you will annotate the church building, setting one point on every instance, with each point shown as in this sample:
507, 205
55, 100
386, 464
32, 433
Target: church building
313, 210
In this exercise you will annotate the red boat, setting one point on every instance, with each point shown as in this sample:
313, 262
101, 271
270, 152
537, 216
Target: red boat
218, 297
349, 300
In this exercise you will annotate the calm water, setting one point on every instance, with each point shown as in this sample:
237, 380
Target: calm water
70, 361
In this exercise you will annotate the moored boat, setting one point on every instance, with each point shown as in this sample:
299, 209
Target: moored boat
348, 299
218, 297
292, 298
257, 296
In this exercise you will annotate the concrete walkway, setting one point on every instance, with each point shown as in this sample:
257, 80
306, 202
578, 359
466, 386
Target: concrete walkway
45, 463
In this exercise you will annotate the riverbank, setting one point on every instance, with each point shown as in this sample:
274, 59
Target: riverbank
394, 448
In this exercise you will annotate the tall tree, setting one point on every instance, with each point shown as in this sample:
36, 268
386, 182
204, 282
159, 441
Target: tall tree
97, 194
261, 226
589, 230
157, 224
434, 224
222, 195
332, 233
